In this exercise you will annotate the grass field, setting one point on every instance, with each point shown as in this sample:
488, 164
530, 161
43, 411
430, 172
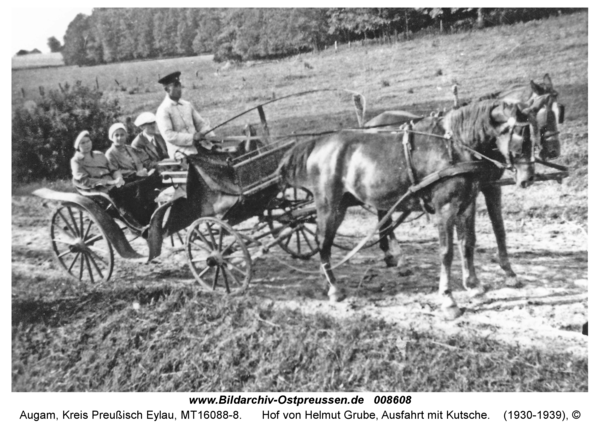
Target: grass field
72, 337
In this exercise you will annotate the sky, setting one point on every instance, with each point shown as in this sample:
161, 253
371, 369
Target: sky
31, 27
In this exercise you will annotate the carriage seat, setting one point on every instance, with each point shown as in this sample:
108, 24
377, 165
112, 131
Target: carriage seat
108, 204
173, 172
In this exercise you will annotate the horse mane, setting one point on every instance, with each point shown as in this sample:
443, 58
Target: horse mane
292, 167
472, 124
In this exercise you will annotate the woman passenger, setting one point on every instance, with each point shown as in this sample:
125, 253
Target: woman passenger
91, 169
122, 156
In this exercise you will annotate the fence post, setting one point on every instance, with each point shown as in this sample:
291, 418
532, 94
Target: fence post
42, 92
97, 84
23, 92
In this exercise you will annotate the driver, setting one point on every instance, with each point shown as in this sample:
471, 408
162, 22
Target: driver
179, 123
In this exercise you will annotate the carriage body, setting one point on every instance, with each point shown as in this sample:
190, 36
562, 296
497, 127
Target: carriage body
88, 227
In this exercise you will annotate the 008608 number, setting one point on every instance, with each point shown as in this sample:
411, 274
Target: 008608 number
393, 400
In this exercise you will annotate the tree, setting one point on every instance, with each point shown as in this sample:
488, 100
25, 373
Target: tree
54, 44
76, 38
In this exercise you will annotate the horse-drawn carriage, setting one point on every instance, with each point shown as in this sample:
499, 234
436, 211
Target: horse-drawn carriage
224, 191
221, 191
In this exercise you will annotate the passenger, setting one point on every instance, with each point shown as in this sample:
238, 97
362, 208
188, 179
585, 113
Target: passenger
122, 156
91, 169
149, 145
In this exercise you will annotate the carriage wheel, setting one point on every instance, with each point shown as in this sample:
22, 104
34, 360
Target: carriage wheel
303, 242
80, 245
218, 256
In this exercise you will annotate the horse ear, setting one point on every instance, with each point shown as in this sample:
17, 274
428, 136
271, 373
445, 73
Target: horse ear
536, 88
547, 81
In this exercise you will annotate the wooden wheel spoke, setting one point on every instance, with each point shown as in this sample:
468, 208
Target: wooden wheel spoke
227, 269
67, 224
75, 227
93, 239
67, 252
212, 237
203, 272
216, 277
63, 241
94, 252
237, 269
89, 267
307, 240
73, 262
226, 250
226, 281
81, 222
203, 239
199, 246
221, 238
298, 244
198, 260
87, 231
81, 267
288, 240
91, 257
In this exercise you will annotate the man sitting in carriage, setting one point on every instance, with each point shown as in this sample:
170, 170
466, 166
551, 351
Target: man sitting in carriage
149, 144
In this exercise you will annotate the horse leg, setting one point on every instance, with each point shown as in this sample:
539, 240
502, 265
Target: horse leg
445, 220
465, 228
329, 218
493, 201
389, 244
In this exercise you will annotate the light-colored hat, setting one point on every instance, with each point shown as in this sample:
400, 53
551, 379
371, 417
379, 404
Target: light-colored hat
115, 127
80, 137
144, 118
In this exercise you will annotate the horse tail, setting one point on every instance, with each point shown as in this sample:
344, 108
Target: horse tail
292, 167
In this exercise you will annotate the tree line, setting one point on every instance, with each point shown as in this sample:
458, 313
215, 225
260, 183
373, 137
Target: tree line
113, 35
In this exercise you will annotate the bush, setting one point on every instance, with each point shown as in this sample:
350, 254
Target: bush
43, 133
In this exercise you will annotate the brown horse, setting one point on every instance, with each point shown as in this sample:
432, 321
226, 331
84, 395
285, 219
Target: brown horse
540, 98
349, 167
543, 98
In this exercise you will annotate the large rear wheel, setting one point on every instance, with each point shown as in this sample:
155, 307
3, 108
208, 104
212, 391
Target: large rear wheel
293, 207
218, 256
80, 246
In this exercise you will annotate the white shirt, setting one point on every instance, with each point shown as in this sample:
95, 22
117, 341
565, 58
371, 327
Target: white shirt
177, 122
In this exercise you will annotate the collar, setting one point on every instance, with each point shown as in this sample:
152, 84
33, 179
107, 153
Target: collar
172, 102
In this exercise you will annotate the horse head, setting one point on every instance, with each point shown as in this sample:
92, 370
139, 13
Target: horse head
549, 115
515, 128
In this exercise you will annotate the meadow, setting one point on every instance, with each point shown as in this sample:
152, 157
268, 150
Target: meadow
280, 336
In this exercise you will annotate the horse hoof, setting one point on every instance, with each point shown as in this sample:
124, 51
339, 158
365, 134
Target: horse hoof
452, 313
391, 261
404, 272
513, 282
477, 292
338, 296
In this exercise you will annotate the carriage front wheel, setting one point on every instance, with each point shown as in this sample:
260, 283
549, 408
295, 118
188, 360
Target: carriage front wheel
218, 256
80, 245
